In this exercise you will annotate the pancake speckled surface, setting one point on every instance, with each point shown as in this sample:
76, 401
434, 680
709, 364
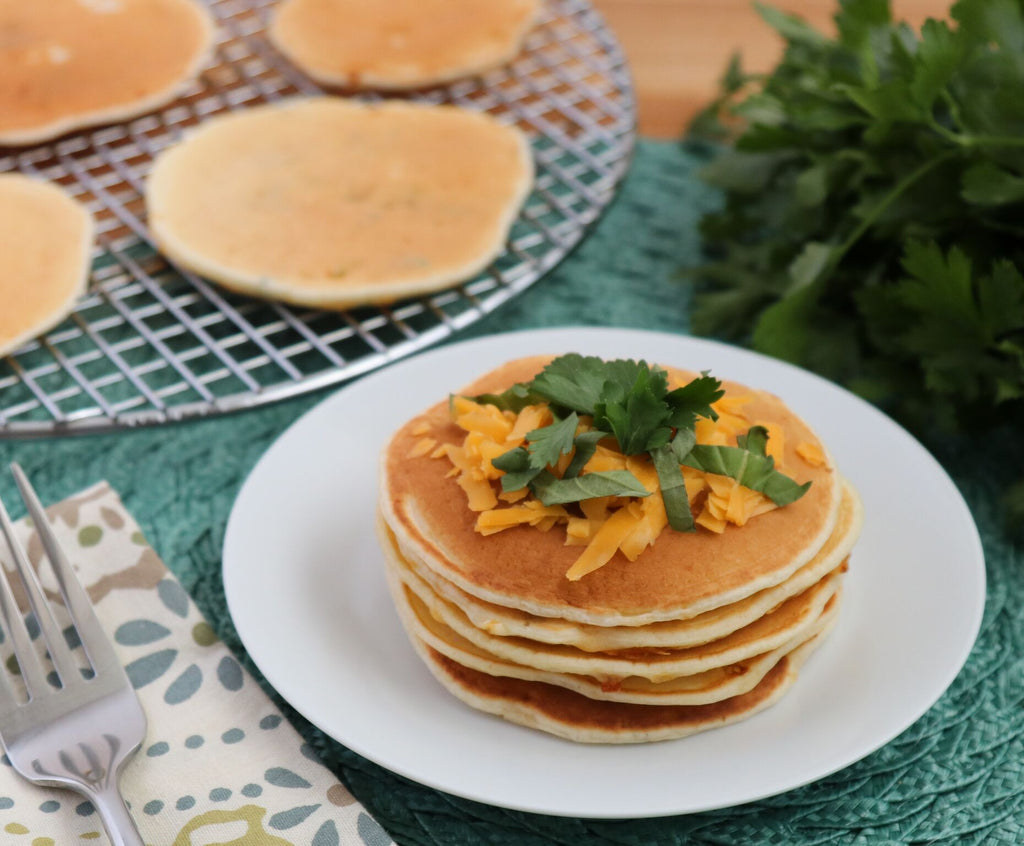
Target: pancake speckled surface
399, 44
331, 203
68, 64
44, 252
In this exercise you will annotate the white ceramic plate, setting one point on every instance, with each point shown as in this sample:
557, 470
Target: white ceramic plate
305, 586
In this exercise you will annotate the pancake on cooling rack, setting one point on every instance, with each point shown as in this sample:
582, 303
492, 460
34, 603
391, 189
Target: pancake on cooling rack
68, 64
45, 253
331, 203
614, 552
399, 44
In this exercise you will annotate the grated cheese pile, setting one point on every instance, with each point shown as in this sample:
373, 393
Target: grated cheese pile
607, 524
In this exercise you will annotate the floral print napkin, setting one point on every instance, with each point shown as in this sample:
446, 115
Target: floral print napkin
219, 765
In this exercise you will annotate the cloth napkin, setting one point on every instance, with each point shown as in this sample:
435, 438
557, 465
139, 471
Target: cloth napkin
220, 764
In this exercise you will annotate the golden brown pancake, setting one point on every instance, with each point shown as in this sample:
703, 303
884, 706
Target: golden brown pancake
680, 576
700, 688
45, 255
566, 713
788, 621
331, 203
711, 625
399, 44
67, 64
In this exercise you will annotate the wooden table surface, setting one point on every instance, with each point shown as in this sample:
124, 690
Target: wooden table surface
678, 49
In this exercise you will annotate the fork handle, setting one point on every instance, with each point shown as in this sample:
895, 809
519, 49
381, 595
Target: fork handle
116, 820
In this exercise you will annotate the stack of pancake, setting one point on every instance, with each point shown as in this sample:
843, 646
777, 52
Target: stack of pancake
701, 629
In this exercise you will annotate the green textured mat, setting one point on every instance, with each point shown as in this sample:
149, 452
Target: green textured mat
957, 775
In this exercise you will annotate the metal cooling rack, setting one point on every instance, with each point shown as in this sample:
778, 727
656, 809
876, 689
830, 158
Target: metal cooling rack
153, 344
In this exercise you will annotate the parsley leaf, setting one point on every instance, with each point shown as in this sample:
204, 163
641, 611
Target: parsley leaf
748, 465
694, 400
514, 399
756, 440
549, 443
673, 489
585, 446
636, 415
551, 490
518, 469
546, 445
580, 382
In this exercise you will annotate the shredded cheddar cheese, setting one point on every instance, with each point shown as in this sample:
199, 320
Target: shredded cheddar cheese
606, 541
811, 453
776, 446
730, 423
729, 502
533, 513
602, 526
422, 447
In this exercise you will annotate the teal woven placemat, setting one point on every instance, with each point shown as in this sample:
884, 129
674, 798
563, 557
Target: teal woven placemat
957, 775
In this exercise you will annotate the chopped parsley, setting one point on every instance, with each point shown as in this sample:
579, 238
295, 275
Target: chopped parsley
628, 402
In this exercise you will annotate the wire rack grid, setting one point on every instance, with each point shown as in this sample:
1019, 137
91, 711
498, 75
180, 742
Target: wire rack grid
151, 343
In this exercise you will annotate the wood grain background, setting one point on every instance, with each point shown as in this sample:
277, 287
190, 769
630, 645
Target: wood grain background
678, 49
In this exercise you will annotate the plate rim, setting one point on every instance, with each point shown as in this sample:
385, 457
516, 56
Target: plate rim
977, 575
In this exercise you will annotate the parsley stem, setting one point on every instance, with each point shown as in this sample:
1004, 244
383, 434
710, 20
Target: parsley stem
967, 141
989, 141
868, 220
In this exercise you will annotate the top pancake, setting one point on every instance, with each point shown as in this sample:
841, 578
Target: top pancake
74, 63
680, 576
399, 44
45, 255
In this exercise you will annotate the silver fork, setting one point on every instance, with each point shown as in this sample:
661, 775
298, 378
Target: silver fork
78, 735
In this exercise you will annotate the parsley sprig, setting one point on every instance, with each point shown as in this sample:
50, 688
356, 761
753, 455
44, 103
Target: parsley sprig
630, 402
873, 219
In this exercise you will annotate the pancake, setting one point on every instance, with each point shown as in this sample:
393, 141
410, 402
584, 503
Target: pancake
789, 621
568, 714
701, 688
680, 576
69, 64
45, 253
711, 625
399, 44
332, 203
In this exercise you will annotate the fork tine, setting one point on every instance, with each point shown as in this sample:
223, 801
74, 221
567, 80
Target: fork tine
60, 652
8, 699
94, 639
28, 660
15, 627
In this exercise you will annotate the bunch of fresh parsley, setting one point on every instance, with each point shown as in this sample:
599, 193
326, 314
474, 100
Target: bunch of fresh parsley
630, 402
873, 218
